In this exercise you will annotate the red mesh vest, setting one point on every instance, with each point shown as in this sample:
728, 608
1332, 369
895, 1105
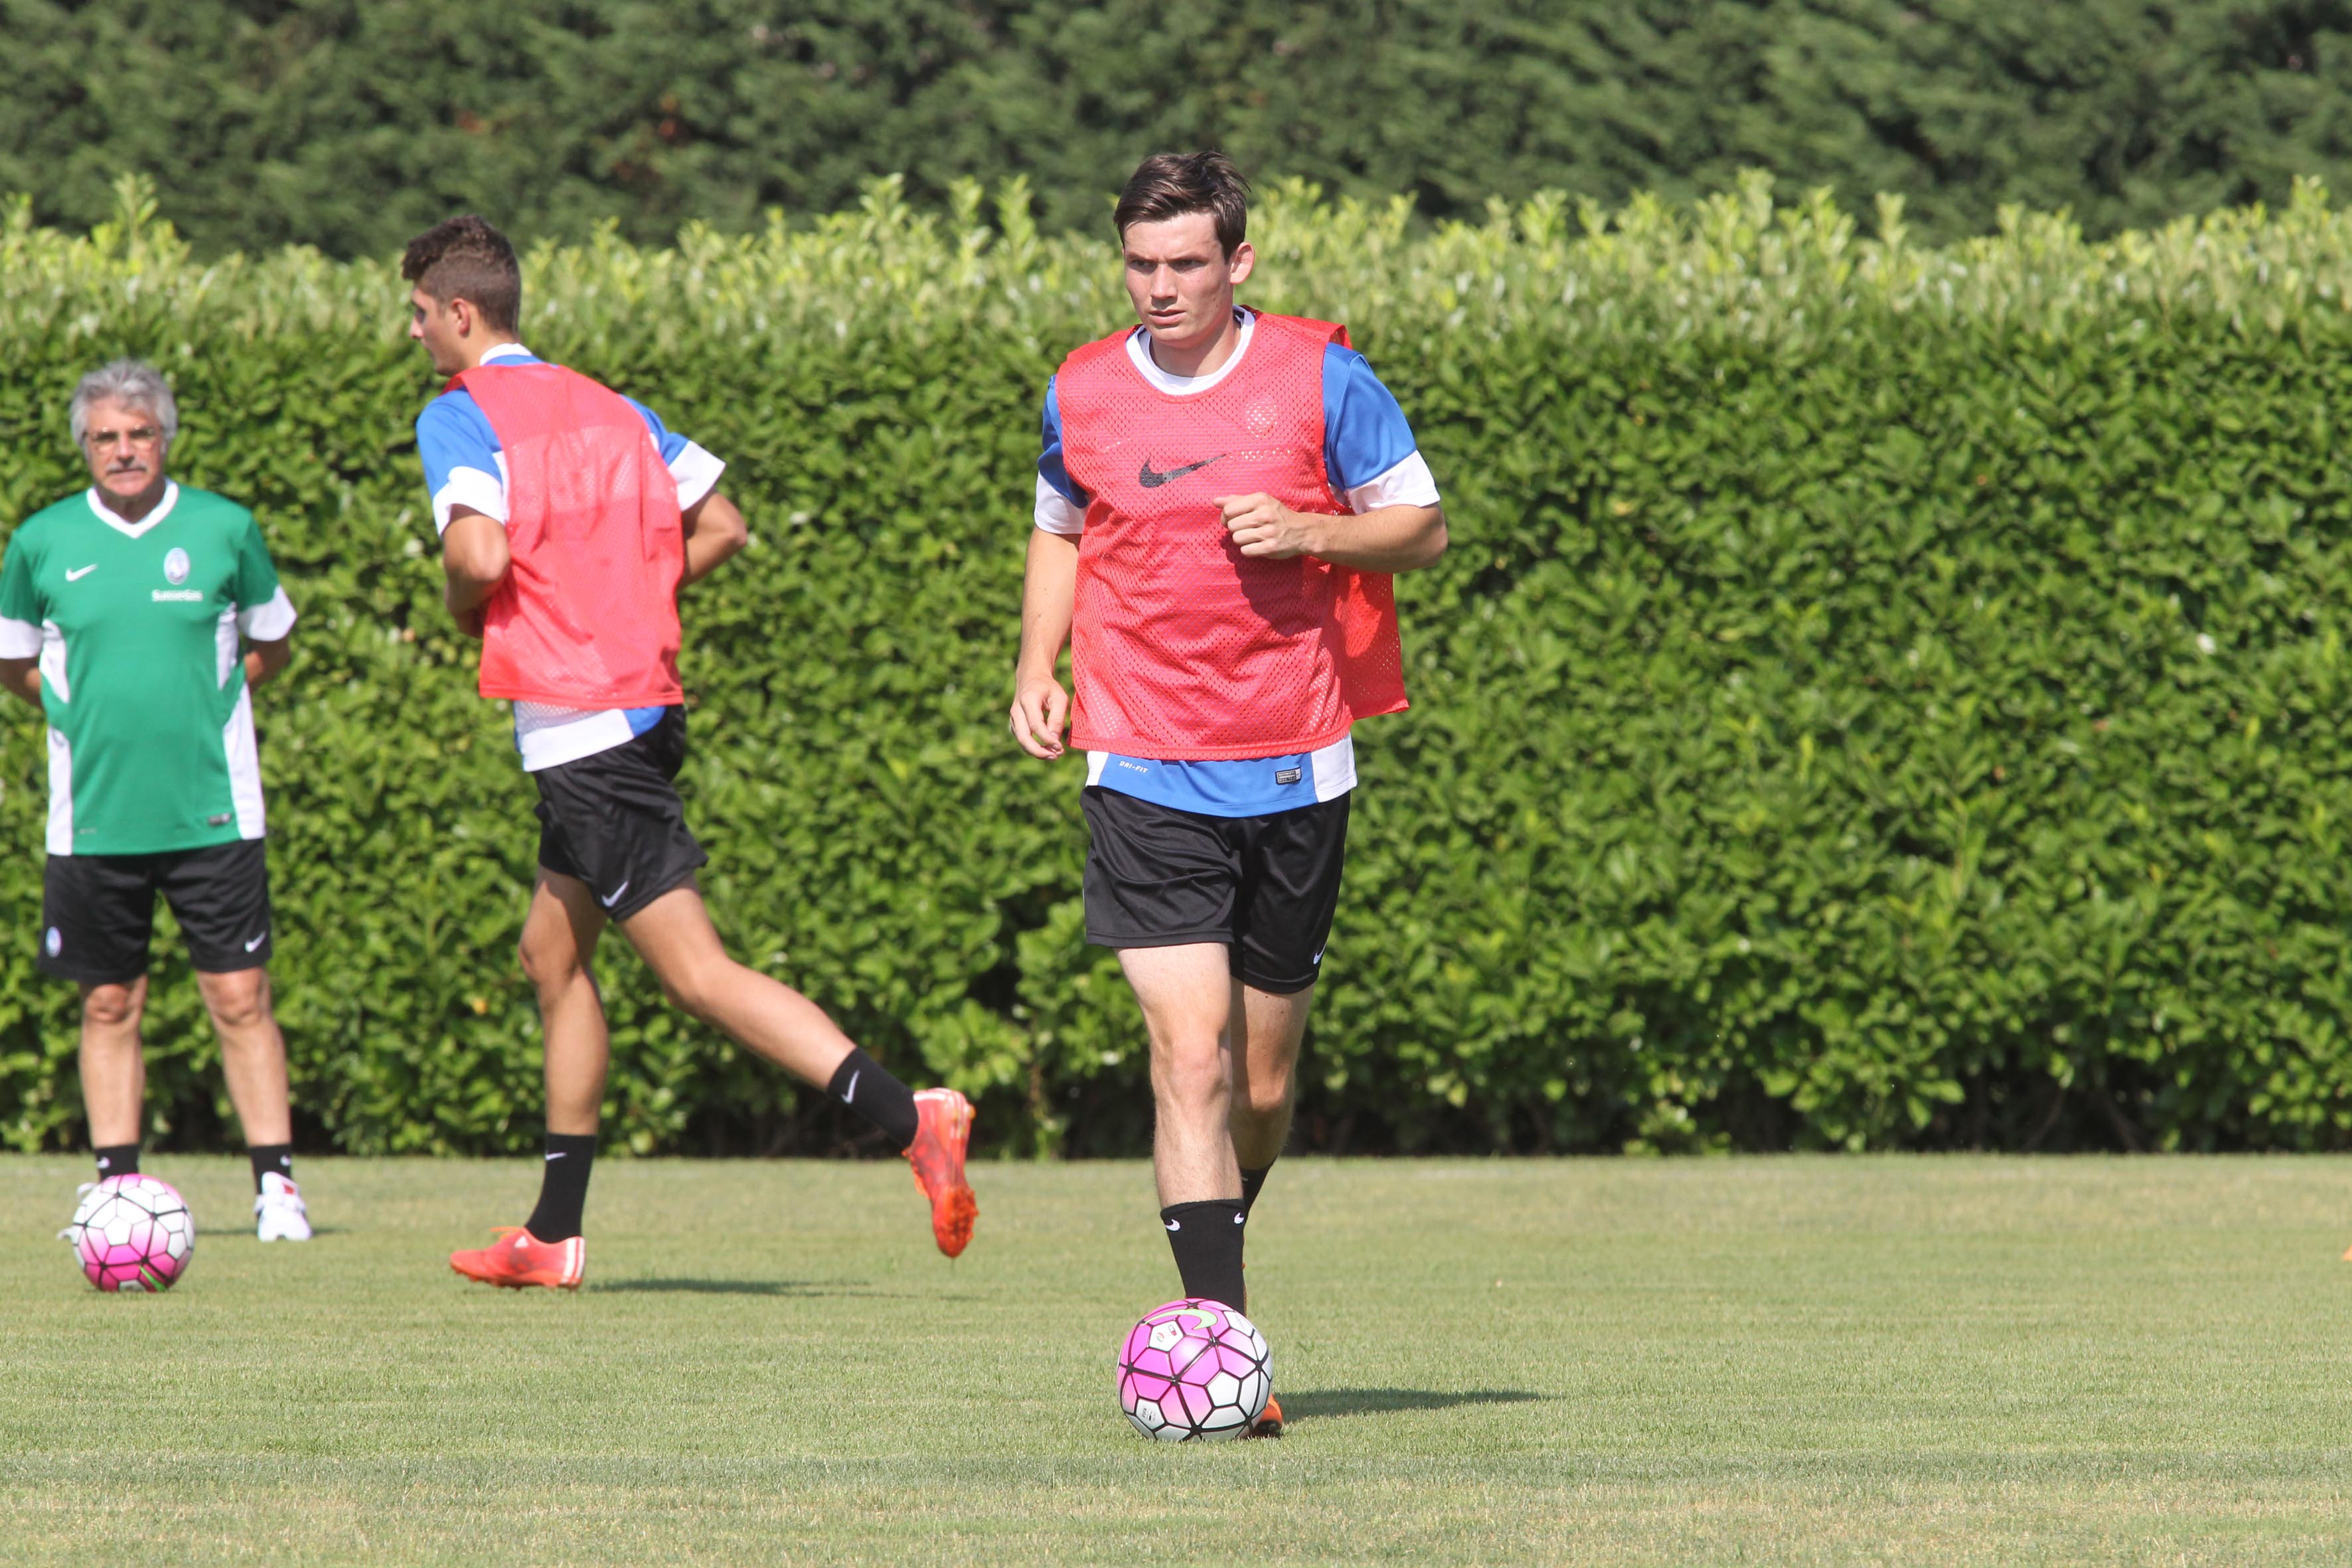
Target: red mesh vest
1184, 648
588, 615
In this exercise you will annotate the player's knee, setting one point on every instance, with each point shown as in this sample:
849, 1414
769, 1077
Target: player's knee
550, 965
111, 1006
1269, 1091
1193, 1073
696, 989
237, 1001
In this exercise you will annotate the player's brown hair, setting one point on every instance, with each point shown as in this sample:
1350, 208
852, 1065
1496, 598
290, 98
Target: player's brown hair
465, 259
1169, 184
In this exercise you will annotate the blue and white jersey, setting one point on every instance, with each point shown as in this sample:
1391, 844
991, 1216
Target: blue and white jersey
465, 467
1372, 460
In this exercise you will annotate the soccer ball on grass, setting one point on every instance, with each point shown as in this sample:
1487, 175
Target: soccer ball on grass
132, 1232
1193, 1371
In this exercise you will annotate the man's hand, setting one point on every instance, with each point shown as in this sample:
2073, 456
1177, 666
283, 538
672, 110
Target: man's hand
1396, 537
1040, 708
1263, 528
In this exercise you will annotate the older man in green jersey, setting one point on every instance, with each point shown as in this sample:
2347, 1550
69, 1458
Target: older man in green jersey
121, 610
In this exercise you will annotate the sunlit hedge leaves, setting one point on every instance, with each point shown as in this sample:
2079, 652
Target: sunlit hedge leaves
1877, 695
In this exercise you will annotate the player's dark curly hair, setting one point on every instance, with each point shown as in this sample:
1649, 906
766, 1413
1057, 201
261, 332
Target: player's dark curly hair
465, 259
1169, 184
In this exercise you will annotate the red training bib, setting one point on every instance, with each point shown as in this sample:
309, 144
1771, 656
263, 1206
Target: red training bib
587, 616
1182, 648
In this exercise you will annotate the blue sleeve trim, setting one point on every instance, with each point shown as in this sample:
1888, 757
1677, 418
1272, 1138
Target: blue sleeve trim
1050, 467
1365, 433
670, 443
454, 433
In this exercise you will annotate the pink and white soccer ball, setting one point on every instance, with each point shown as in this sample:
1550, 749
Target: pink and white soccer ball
1194, 1370
134, 1233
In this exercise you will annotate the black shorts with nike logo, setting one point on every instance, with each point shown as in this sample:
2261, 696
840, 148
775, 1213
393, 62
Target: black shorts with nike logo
1266, 886
612, 819
97, 911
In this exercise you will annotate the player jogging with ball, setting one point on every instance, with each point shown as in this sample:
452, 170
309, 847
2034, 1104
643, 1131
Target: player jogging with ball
1221, 501
124, 613
569, 518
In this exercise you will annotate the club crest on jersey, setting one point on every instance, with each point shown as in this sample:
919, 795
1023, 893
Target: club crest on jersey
175, 566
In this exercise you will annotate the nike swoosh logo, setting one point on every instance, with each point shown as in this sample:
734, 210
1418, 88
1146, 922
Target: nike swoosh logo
78, 576
257, 942
849, 1095
558, 1155
1153, 481
615, 899
1175, 1225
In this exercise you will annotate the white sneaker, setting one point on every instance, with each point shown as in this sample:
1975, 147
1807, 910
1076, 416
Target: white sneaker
277, 1212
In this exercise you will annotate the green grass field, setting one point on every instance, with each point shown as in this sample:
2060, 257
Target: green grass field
1901, 1361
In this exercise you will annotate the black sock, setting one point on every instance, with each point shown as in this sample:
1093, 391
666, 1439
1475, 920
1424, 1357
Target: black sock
269, 1157
1251, 1182
867, 1087
1207, 1241
117, 1160
563, 1189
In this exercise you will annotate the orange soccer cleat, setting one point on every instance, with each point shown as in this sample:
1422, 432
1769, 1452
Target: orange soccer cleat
1269, 1420
519, 1260
944, 1128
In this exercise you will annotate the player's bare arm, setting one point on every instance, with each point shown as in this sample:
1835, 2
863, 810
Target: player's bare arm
715, 530
1041, 706
473, 562
22, 676
1386, 539
266, 659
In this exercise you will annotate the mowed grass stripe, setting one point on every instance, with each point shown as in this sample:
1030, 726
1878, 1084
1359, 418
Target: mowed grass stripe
1798, 1360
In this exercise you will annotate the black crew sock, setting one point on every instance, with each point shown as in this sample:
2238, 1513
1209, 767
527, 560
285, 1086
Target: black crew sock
867, 1087
1207, 1241
563, 1189
1251, 1182
269, 1157
117, 1160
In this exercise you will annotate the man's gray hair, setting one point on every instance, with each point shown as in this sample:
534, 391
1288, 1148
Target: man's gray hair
126, 380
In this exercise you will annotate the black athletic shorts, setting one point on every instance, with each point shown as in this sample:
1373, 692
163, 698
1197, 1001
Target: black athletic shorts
613, 820
97, 911
1266, 886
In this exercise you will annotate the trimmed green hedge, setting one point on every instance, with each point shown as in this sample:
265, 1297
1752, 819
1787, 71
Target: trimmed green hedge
352, 126
1876, 695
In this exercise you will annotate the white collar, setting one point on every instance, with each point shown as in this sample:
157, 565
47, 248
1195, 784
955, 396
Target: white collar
507, 350
107, 516
1138, 351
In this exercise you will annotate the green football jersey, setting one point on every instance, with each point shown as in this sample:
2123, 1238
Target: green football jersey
136, 627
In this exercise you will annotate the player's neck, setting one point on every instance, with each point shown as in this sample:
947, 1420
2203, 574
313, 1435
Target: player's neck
474, 354
1204, 358
131, 509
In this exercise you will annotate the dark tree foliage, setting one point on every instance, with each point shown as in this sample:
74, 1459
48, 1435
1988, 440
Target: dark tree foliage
349, 126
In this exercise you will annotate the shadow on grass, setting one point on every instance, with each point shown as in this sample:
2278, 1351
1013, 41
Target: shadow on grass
745, 1286
1315, 1404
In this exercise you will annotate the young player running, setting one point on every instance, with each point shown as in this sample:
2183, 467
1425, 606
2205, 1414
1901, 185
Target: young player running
569, 518
1221, 498
120, 611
